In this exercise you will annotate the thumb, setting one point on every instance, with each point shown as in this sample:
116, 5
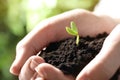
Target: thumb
49, 72
106, 63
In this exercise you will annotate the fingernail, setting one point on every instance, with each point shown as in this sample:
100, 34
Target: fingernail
33, 64
39, 78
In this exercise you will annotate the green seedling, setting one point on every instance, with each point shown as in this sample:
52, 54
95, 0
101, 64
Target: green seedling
72, 30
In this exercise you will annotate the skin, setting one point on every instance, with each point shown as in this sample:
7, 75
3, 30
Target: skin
53, 29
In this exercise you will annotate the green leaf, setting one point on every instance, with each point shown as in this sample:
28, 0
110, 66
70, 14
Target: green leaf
74, 27
70, 31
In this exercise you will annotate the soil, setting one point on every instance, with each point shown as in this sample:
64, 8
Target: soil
72, 58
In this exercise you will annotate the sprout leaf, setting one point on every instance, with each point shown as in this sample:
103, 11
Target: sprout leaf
72, 30
74, 27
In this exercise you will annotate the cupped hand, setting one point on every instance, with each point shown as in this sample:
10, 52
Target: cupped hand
53, 29
102, 67
107, 62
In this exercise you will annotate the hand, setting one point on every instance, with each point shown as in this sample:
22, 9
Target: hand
102, 67
36, 69
53, 29
106, 63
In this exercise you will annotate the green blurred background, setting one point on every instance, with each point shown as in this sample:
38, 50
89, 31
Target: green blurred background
18, 17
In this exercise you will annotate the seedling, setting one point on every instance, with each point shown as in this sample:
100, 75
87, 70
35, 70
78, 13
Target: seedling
72, 30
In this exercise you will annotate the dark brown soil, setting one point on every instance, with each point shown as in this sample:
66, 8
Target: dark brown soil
72, 58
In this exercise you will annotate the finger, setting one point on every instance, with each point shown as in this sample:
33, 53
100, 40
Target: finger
49, 72
28, 70
21, 56
105, 64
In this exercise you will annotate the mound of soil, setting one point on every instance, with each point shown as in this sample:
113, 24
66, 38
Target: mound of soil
72, 58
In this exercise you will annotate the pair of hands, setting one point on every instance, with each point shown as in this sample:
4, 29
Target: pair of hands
102, 67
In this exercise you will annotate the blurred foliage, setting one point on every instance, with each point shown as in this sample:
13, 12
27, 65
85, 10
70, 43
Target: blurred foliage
37, 10
18, 17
